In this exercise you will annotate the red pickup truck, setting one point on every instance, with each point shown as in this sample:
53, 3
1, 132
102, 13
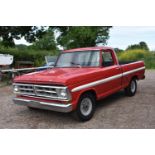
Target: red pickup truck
79, 78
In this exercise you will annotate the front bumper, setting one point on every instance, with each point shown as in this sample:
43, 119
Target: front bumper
59, 107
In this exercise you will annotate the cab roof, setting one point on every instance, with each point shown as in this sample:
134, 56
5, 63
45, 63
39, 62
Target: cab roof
88, 49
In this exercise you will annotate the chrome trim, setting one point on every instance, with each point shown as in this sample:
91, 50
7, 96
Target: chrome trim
26, 89
48, 91
24, 84
40, 97
36, 91
105, 80
59, 107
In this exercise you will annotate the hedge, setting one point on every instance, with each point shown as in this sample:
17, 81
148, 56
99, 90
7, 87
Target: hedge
138, 54
38, 57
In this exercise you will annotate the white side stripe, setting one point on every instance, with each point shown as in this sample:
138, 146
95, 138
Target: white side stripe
105, 80
96, 82
132, 71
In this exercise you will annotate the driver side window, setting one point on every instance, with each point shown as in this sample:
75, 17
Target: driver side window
107, 59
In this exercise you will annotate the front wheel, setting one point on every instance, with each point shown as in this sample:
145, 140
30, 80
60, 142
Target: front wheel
132, 88
86, 107
31, 108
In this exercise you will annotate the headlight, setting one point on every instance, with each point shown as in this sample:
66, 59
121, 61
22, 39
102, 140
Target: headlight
64, 94
15, 88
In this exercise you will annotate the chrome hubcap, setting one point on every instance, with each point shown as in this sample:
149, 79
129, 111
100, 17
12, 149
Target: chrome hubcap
133, 87
86, 106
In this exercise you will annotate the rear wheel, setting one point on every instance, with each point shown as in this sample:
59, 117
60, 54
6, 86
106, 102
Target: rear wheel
132, 88
86, 107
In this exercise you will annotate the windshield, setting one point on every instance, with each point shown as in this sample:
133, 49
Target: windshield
79, 59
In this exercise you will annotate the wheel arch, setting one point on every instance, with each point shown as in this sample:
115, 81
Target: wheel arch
134, 77
78, 94
90, 91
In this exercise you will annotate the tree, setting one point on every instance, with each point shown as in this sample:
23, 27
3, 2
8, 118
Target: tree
9, 33
141, 45
144, 46
47, 42
82, 36
118, 50
70, 36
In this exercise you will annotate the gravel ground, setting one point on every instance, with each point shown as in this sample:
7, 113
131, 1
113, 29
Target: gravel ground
116, 111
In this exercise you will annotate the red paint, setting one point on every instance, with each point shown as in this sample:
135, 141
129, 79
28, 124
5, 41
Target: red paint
74, 77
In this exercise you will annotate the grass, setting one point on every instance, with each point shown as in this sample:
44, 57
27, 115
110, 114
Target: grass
4, 83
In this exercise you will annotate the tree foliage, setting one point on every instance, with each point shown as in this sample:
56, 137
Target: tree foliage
118, 50
82, 36
43, 37
141, 45
9, 33
47, 42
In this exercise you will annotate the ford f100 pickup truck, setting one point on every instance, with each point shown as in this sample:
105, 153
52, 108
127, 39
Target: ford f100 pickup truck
79, 78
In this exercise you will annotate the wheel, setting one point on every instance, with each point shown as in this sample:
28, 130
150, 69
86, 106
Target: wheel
86, 107
132, 88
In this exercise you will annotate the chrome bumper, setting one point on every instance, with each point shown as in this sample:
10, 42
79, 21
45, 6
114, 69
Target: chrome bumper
59, 107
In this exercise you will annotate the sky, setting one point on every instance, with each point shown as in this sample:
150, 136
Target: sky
122, 36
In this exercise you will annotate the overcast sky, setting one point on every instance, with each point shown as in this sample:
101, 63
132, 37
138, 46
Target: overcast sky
122, 36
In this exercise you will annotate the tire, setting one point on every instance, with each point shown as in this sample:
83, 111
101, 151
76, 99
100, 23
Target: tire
1, 76
132, 88
86, 107
31, 108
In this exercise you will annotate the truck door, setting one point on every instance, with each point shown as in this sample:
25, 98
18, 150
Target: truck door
111, 72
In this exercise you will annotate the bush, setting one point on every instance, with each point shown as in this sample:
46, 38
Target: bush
133, 55
138, 54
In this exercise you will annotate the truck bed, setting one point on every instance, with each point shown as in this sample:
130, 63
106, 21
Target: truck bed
133, 68
126, 62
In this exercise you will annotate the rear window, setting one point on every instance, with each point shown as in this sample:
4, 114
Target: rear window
107, 59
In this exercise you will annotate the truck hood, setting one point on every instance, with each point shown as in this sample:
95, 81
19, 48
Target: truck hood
64, 76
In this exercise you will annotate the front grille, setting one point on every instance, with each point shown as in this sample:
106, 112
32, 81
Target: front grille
26, 89
46, 91
39, 90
